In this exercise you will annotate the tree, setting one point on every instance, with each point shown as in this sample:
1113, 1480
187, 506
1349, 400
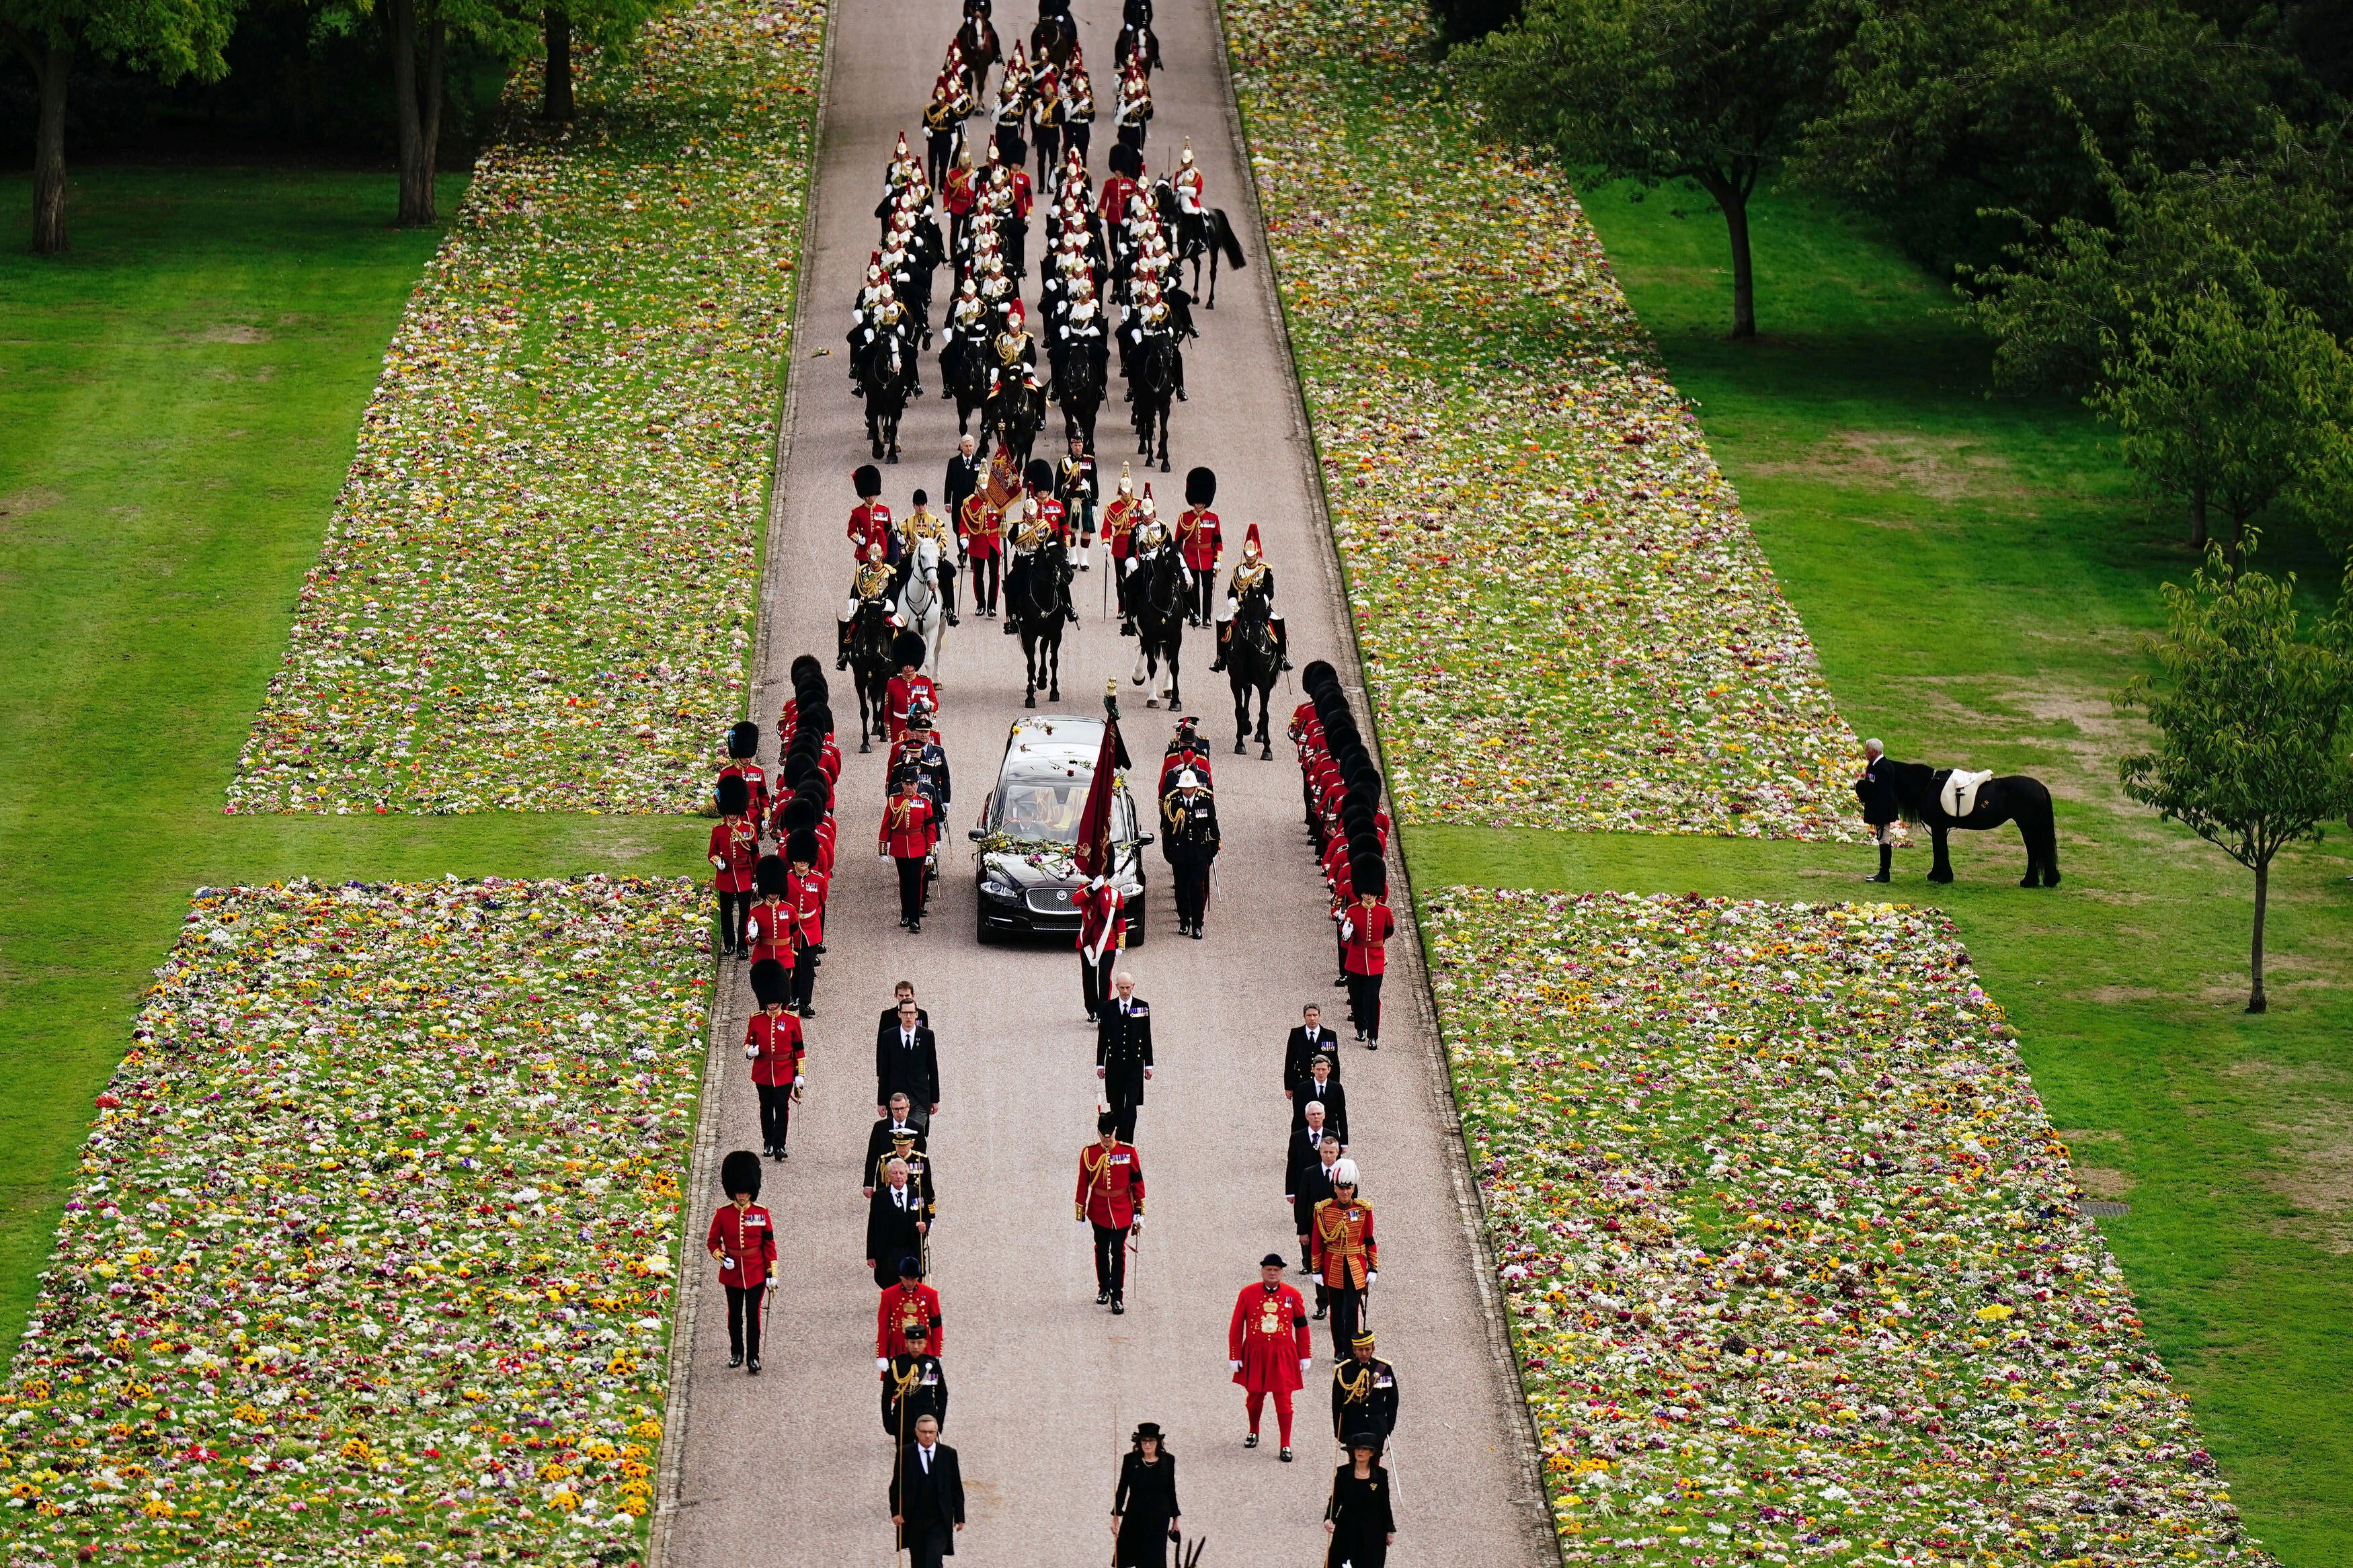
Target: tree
2248, 713
418, 34
1712, 91
171, 39
2224, 404
603, 24
1461, 21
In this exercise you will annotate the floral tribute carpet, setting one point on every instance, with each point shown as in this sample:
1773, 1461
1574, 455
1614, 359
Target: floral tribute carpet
1565, 619
538, 585
1793, 1262
369, 1259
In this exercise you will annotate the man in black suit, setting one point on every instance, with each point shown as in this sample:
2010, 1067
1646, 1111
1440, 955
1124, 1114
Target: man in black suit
927, 1496
888, 1024
965, 471
1322, 1089
1123, 1052
1310, 1185
1307, 1042
879, 1141
896, 1219
907, 1061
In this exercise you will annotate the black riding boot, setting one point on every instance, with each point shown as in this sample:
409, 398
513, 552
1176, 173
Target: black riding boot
1224, 632
1886, 865
842, 645
1283, 644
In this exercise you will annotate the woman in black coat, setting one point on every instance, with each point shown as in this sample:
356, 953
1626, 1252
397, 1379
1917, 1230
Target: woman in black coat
1144, 1513
1358, 1517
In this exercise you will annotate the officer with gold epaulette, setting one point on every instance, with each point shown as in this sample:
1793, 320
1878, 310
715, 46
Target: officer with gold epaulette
914, 1386
1189, 818
1343, 1254
1363, 1394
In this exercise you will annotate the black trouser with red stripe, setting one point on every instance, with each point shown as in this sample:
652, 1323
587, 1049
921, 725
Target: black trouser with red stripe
775, 1114
1111, 1259
744, 1318
1365, 1005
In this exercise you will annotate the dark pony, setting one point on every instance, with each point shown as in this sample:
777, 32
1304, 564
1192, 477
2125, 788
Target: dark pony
869, 663
2012, 798
1040, 616
1253, 663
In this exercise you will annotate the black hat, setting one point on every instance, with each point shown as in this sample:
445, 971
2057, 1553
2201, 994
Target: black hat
1272, 1260
1370, 875
1126, 160
869, 480
734, 795
1107, 1123
1200, 487
816, 721
806, 666
911, 1268
907, 647
921, 497
1364, 1440
800, 846
1360, 845
1318, 673
809, 687
1362, 1341
1012, 149
770, 983
799, 767
904, 776
743, 740
918, 1330
1367, 783
769, 875
1038, 475
739, 1172
1146, 1429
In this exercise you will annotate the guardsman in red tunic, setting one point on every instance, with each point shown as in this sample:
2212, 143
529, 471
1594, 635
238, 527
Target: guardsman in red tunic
1268, 1347
808, 890
906, 837
768, 929
1102, 933
869, 520
1110, 1198
773, 1045
956, 194
743, 1239
743, 750
909, 1302
734, 849
1343, 1253
909, 686
980, 526
1203, 545
1365, 927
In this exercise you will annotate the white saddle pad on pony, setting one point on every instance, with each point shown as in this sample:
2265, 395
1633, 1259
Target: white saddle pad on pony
1960, 796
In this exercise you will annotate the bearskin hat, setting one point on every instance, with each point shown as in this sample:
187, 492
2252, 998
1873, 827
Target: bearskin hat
770, 983
1370, 874
1318, 673
739, 1172
799, 766
1038, 475
816, 720
800, 846
869, 480
1365, 784
1200, 487
769, 875
1360, 845
1126, 160
804, 666
907, 647
743, 740
800, 814
734, 796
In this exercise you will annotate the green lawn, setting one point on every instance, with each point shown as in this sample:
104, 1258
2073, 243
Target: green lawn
1976, 575
179, 396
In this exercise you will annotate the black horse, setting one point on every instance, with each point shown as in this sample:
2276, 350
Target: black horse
1253, 663
1040, 611
1015, 417
1152, 378
2012, 798
888, 378
869, 663
963, 367
1159, 592
1205, 234
1078, 389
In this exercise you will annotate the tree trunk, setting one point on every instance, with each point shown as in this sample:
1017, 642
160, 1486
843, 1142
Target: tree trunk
51, 62
2255, 1003
2198, 518
417, 106
555, 103
1732, 196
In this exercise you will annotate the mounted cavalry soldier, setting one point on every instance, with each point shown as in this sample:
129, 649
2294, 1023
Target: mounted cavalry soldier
943, 120
1015, 349
1189, 818
1205, 547
1252, 579
1134, 114
872, 582
1146, 540
889, 318
915, 528
1078, 112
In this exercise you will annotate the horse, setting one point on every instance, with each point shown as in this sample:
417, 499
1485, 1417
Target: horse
1152, 379
2012, 798
1134, 37
1206, 233
963, 367
1078, 389
1015, 417
870, 662
887, 377
1038, 614
1055, 39
977, 38
1159, 592
1252, 661
922, 610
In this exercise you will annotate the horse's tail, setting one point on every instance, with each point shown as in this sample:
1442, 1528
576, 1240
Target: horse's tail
2039, 826
1227, 242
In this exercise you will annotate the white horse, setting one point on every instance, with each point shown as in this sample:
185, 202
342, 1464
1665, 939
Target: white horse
921, 608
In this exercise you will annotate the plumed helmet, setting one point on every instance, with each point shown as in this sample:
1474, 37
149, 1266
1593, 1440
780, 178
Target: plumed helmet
734, 796
769, 875
1200, 487
869, 480
1038, 475
1343, 1173
739, 1172
743, 740
770, 982
1370, 875
1318, 673
800, 846
907, 647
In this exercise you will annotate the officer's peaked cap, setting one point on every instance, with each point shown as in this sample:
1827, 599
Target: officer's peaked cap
768, 983
869, 480
734, 796
1200, 487
739, 1172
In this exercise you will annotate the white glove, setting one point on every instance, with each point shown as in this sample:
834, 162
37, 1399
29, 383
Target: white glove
720, 861
1305, 1367
751, 1053
1234, 1365
1347, 930
881, 1363
1374, 1278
